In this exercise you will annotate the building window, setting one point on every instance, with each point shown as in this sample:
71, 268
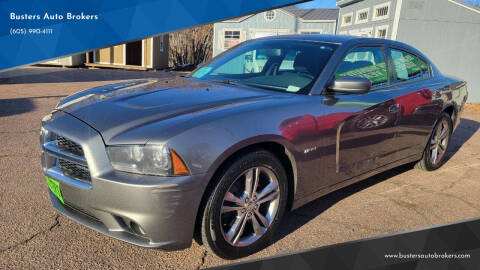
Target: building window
381, 11
362, 16
231, 38
161, 43
381, 31
347, 19
270, 15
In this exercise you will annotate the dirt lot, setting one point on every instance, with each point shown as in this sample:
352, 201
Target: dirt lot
33, 235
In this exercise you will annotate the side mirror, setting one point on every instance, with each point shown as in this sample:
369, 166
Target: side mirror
351, 85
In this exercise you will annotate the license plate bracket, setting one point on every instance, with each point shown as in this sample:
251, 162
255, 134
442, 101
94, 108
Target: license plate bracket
54, 187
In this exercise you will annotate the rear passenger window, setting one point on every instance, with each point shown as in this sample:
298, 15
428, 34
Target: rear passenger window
368, 62
424, 68
408, 67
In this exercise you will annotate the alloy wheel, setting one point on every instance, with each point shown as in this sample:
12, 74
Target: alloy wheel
439, 142
249, 206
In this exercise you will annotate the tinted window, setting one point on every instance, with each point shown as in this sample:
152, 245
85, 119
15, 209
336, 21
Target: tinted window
408, 67
424, 68
368, 62
282, 65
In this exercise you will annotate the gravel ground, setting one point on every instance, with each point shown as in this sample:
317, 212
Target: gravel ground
33, 235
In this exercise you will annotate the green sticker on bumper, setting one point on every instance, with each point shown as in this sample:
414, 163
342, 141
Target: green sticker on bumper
54, 187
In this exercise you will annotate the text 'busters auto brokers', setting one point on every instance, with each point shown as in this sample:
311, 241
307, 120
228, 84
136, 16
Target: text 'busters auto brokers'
53, 16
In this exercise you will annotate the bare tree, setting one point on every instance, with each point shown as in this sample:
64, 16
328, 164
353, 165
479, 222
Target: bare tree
191, 46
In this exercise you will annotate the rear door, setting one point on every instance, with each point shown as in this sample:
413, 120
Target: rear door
414, 87
363, 136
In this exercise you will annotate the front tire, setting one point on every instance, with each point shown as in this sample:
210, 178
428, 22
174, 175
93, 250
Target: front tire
435, 152
246, 206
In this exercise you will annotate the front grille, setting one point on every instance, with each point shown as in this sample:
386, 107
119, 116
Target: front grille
68, 146
62, 157
74, 170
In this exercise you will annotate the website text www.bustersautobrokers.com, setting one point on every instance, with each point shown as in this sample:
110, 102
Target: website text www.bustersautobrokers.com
433, 255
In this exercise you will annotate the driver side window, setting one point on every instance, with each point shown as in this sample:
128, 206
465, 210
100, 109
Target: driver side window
367, 62
288, 60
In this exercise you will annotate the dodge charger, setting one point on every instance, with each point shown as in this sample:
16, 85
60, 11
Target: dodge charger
221, 154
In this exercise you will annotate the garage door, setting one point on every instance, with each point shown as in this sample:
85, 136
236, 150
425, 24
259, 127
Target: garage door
260, 34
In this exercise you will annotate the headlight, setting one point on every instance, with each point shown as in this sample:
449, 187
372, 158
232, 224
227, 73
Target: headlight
146, 159
46, 136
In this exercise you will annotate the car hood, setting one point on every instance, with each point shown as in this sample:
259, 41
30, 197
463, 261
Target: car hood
118, 108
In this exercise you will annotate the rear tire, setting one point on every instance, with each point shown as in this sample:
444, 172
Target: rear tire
435, 152
246, 206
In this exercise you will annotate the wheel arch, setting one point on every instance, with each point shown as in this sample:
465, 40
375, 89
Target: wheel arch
451, 110
273, 145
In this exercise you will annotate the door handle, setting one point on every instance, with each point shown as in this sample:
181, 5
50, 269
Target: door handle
393, 108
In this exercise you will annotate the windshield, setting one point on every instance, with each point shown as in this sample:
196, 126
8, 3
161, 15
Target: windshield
281, 65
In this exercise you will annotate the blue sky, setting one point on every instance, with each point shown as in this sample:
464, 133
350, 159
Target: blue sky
319, 4
331, 4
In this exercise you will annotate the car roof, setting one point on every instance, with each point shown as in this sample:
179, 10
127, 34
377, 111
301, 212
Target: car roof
339, 39
345, 40
316, 37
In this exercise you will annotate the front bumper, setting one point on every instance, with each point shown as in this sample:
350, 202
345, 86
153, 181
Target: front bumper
148, 211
